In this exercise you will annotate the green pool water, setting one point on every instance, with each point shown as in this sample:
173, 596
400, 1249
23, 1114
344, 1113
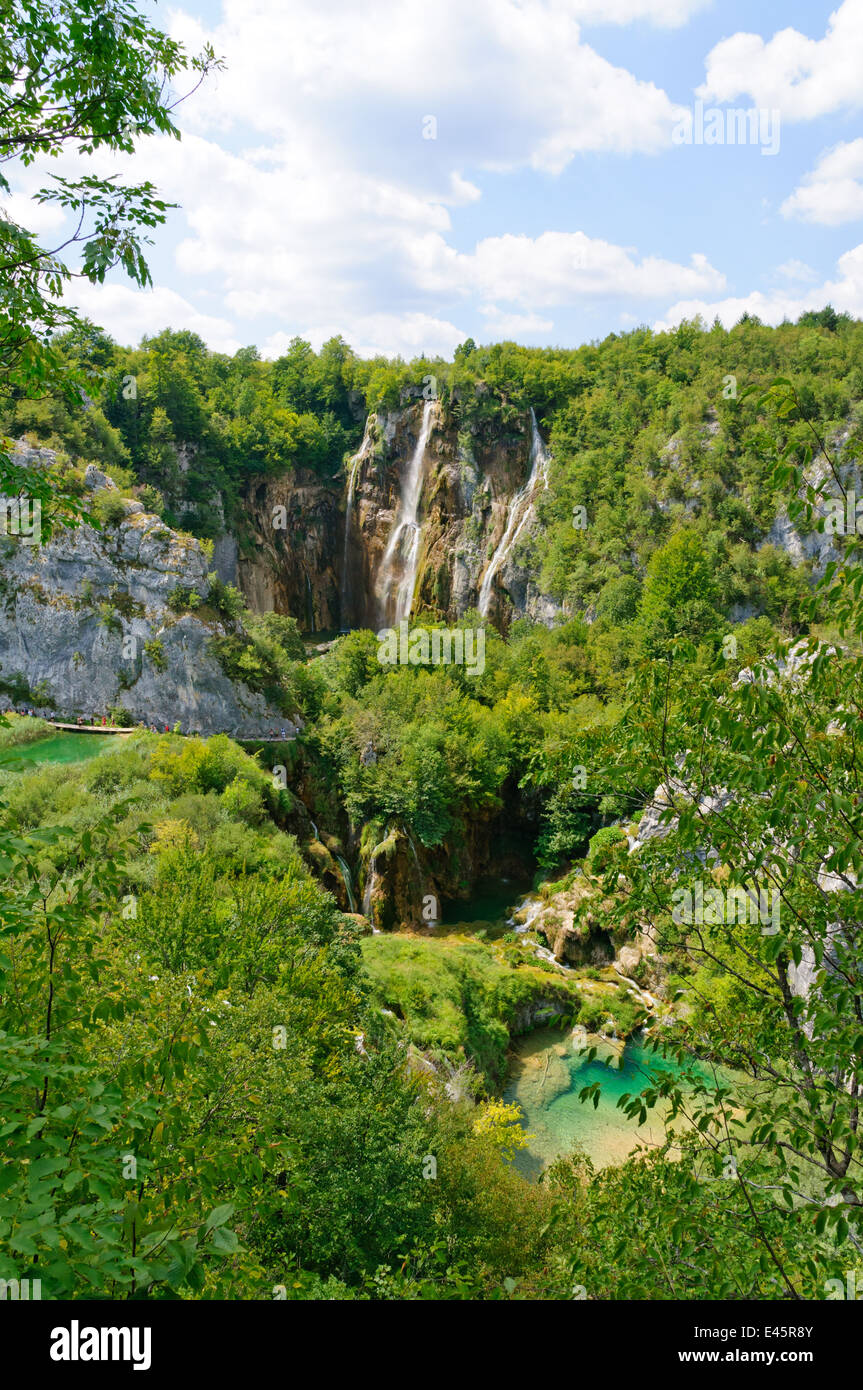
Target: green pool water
59, 748
546, 1075
492, 901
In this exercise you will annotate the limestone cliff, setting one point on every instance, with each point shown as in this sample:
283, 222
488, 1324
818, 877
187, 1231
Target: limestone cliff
86, 622
316, 550
290, 557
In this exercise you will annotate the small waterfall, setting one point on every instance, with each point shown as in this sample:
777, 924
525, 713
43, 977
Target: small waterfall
518, 512
404, 542
367, 898
346, 878
532, 907
346, 613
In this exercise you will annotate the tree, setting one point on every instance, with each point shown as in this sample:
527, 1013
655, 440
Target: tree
76, 76
679, 591
752, 892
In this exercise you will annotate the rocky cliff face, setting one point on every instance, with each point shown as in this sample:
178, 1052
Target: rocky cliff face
85, 621
291, 559
316, 551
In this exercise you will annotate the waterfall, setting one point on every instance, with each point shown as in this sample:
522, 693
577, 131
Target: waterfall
518, 512
367, 898
346, 878
403, 546
532, 907
346, 579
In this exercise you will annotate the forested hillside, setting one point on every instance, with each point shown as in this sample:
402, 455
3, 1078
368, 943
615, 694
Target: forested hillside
227, 1079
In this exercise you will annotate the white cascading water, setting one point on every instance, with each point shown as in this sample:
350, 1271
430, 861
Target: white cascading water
346, 578
517, 514
404, 542
532, 907
346, 879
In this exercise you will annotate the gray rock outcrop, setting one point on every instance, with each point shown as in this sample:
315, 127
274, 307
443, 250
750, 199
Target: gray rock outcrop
85, 620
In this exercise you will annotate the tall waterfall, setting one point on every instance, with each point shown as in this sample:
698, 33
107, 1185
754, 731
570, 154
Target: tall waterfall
345, 613
519, 510
398, 571
346, 879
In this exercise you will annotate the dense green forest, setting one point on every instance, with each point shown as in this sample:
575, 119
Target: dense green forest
217, 1081
674, 475
186, 1004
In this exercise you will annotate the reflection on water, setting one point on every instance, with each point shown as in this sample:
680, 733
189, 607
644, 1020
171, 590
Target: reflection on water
546, 1074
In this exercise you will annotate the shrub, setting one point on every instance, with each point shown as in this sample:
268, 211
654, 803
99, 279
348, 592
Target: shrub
156, 653
151, 499
225, 598
108, 508
184, 599
121, 716
603, 846
23, 731
109, 617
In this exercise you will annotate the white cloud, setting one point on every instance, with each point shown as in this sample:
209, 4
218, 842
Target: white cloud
833, 192
312, 205
128, 314
519, 327
666, 14
555, 268
38, 218
845, 293
509, 82
796, 270
281, 237
803, 77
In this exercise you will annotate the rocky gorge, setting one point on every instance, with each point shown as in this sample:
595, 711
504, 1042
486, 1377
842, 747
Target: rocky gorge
335, 555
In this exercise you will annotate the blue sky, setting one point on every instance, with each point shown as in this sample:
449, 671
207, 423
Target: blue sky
554, 203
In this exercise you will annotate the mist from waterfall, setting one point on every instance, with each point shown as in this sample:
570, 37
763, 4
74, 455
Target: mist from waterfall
401, 556
518, 512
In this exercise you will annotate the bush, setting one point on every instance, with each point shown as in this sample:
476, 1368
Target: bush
603, 846
108, 508
151, 499
184, 599
156, 653
23, 731
226, 598
109, 617
121, 716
